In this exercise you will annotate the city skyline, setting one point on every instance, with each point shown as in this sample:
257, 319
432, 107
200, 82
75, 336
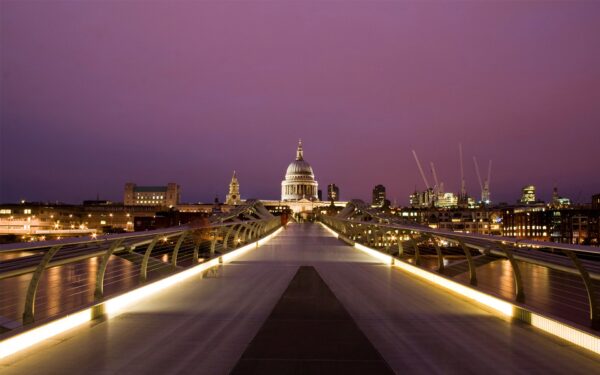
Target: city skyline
102, 94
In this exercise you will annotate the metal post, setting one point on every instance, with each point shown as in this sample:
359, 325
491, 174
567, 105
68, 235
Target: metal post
589, 287
144, 266
226, 239
213, 243
196, 250
415, 246
236, 236
176, 249
400, 247
440, 256
99, 290
519, 290
28, 312
472, 272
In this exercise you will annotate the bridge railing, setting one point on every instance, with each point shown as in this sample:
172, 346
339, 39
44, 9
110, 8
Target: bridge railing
93, 265
409, 242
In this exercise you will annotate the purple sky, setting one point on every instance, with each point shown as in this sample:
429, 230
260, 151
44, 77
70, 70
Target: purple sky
95, 94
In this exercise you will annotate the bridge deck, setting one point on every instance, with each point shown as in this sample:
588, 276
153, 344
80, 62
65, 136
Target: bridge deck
205, 325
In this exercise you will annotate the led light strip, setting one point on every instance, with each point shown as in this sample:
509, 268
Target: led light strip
115, 305
573, 335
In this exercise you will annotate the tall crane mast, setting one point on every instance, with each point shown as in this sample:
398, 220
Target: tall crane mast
438, 187
478, 177
421, 169
463, 185
485, 194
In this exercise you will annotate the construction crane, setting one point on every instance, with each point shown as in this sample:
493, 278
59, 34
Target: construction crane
437, 187
485, 194
463, 185
485, 185
421, 169
478, 175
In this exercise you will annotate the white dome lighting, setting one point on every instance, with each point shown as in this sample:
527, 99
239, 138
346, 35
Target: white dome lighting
299, 180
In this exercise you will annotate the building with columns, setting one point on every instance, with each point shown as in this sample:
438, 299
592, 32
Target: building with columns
299, 183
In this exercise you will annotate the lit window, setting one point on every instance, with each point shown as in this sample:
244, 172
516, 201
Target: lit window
27, 211
102, 222
5, 211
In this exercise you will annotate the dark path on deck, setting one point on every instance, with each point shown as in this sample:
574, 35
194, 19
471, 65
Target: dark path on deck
310, 332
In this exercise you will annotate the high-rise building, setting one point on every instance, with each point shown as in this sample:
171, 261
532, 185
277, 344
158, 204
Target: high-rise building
233, 197
378, 196
333, 192
166, 196
596, 201
528, 195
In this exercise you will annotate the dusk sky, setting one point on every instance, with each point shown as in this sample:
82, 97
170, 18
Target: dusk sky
96, 94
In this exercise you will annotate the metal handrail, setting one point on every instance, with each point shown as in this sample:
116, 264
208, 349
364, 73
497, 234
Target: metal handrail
374, 233
211, 234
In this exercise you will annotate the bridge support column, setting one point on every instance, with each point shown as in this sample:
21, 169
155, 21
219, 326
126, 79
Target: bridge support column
99, 289
438, 252
589, 287
196, 251
236, 238
176, 249
226, 239
519, 290
213, 242
415, 246
28, 313
400, 247
144, 266
472, 272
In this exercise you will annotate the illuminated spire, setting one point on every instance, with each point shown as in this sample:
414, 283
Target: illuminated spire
299, 153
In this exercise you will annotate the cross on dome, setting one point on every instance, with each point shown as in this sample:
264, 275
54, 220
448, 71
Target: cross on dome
299, 152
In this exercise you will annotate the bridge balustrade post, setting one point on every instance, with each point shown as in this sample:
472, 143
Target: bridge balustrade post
144, 266
253, 230
213, 242
226, 239
415, 246
519, 289
195, 252
438, 252
244, 234
236, 237
472, 271
99, 289
589, 287
400, 247
176, 249
29, 310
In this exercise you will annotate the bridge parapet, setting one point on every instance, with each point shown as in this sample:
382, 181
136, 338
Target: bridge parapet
155, 254
452, 253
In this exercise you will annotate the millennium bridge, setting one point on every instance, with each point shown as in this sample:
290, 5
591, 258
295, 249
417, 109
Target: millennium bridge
246, 293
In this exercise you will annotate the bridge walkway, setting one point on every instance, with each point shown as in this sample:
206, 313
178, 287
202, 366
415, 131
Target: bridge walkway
206, 325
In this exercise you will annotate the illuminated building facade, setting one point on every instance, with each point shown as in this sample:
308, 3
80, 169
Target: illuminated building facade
528, 195
299, 183
378, 196
165, 196
233, 197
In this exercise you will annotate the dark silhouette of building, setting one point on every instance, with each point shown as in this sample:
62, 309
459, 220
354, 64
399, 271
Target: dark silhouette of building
378, 196
596, 201
333, 192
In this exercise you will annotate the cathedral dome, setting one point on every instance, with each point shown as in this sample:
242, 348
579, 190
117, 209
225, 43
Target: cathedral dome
299, 167
299, 180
